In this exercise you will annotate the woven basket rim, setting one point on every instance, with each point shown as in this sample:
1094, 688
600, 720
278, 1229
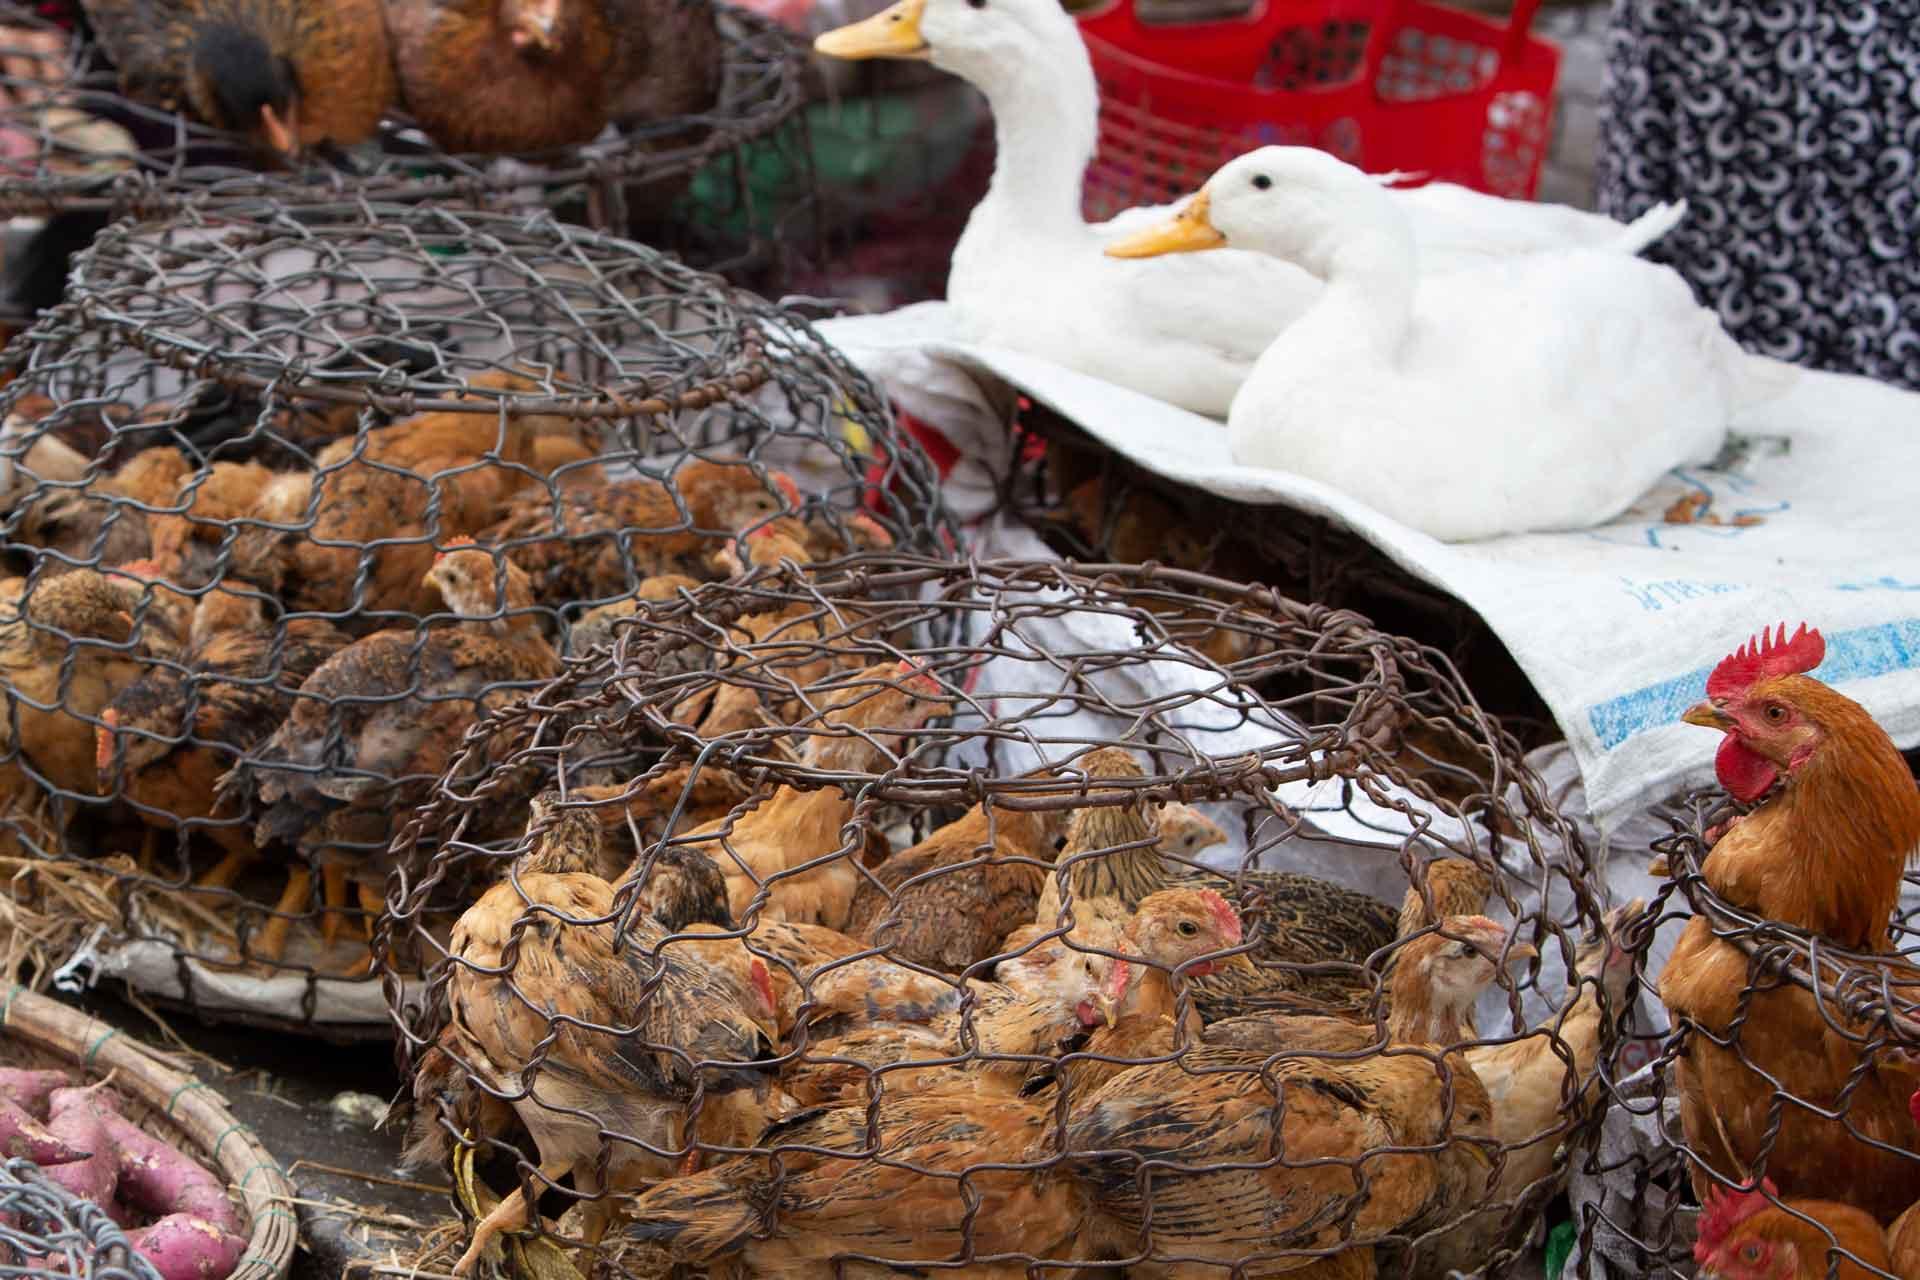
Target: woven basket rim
194, 1106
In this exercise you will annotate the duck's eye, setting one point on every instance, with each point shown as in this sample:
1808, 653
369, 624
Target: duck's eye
1188, 928
976, 4
1260, 180
1776, 712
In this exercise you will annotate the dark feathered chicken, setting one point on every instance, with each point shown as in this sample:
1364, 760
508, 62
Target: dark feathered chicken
290, 74
380, 719
529, 75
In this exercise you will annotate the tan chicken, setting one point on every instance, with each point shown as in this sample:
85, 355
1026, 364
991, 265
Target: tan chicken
586, 1030
110, 518
790, 857
1264, 1086
424, 481
379, 720
66, 651
597, 544
793, 1218
1175, 935
167, 738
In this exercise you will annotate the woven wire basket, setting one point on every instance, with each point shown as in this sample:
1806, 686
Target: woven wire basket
71, 142
281, 436
753, 790
1853, 1018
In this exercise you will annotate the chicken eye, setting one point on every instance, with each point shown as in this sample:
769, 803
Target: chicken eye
1776, 712
1463, 949
1750, 1252
1188, 928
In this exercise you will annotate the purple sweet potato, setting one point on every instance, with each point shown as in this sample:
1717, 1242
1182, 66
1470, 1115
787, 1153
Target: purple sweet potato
183, 1247
29, 1090
22, 1135
164, 1180
77, 1124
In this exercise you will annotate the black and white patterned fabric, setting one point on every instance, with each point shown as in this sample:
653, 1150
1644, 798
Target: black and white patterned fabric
1792, 128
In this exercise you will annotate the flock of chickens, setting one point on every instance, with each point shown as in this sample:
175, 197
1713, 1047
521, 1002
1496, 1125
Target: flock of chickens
426, 564
476, 75
965, 1052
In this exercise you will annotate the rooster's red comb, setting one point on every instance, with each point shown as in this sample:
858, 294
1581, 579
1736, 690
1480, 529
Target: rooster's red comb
1726, 1210
1225, 918
1764, 657
453, 545
788, 489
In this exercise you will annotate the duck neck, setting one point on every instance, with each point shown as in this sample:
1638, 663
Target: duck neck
1045, 120
1367, 260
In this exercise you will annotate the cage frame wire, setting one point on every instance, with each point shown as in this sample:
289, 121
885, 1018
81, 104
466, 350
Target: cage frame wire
89, 1240
761, 90
637, 650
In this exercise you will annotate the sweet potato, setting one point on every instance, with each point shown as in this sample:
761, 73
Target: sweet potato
183, 1247
162, 1180
29, 1090
22, 1135
79, 1126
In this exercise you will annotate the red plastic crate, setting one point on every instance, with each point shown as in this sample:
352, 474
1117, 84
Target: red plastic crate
1383, 84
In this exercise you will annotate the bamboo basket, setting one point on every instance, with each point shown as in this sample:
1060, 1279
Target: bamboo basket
170, 1105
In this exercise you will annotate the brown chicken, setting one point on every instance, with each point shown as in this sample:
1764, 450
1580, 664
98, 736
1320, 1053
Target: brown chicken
378, 721
947, 902
793, 1217
1182, 930
596, 544
166, 739
383, 485
530, 75
598, 625
1825, 851
108, 520
1309, 1091
789, 858
1754, 1235
587, 1030
288, 75
65, 653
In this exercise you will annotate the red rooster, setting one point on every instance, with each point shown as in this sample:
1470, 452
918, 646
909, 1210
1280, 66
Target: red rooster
1838, 817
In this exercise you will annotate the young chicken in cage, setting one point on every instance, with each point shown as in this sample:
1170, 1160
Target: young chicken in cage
590, 1026
1825, 851
1335, 1105
385, 714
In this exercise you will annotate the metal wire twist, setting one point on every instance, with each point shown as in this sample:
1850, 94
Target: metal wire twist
46, 1229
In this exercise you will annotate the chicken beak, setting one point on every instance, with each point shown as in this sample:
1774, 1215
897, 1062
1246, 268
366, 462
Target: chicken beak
278, 133
894, 32
1707, 716
1106, 1004
1189, 231
1521, 951
534, 25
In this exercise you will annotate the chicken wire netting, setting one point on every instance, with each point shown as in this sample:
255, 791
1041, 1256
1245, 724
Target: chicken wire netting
46, 1230
71, 142
1772, 1128
929, 914
243, 632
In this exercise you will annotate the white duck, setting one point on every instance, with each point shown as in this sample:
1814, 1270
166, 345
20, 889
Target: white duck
1545, 391
1029, 275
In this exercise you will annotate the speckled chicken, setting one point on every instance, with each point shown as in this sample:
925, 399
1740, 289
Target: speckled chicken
586, 1029
289, 74
380, 719
166, 739
792, 1219
530, 75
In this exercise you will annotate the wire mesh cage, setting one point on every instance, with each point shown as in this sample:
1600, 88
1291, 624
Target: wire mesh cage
1772, 1130
71, 141
47, 1230
244, 632
994, 915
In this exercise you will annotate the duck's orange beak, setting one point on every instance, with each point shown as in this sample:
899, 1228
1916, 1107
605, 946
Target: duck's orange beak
1189, 231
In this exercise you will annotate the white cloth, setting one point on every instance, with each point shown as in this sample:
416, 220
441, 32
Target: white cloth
1617, 626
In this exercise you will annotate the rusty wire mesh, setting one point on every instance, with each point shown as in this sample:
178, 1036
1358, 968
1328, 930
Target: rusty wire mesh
834, 867
1823, 1042
70, 141
226, 669
47, 1230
